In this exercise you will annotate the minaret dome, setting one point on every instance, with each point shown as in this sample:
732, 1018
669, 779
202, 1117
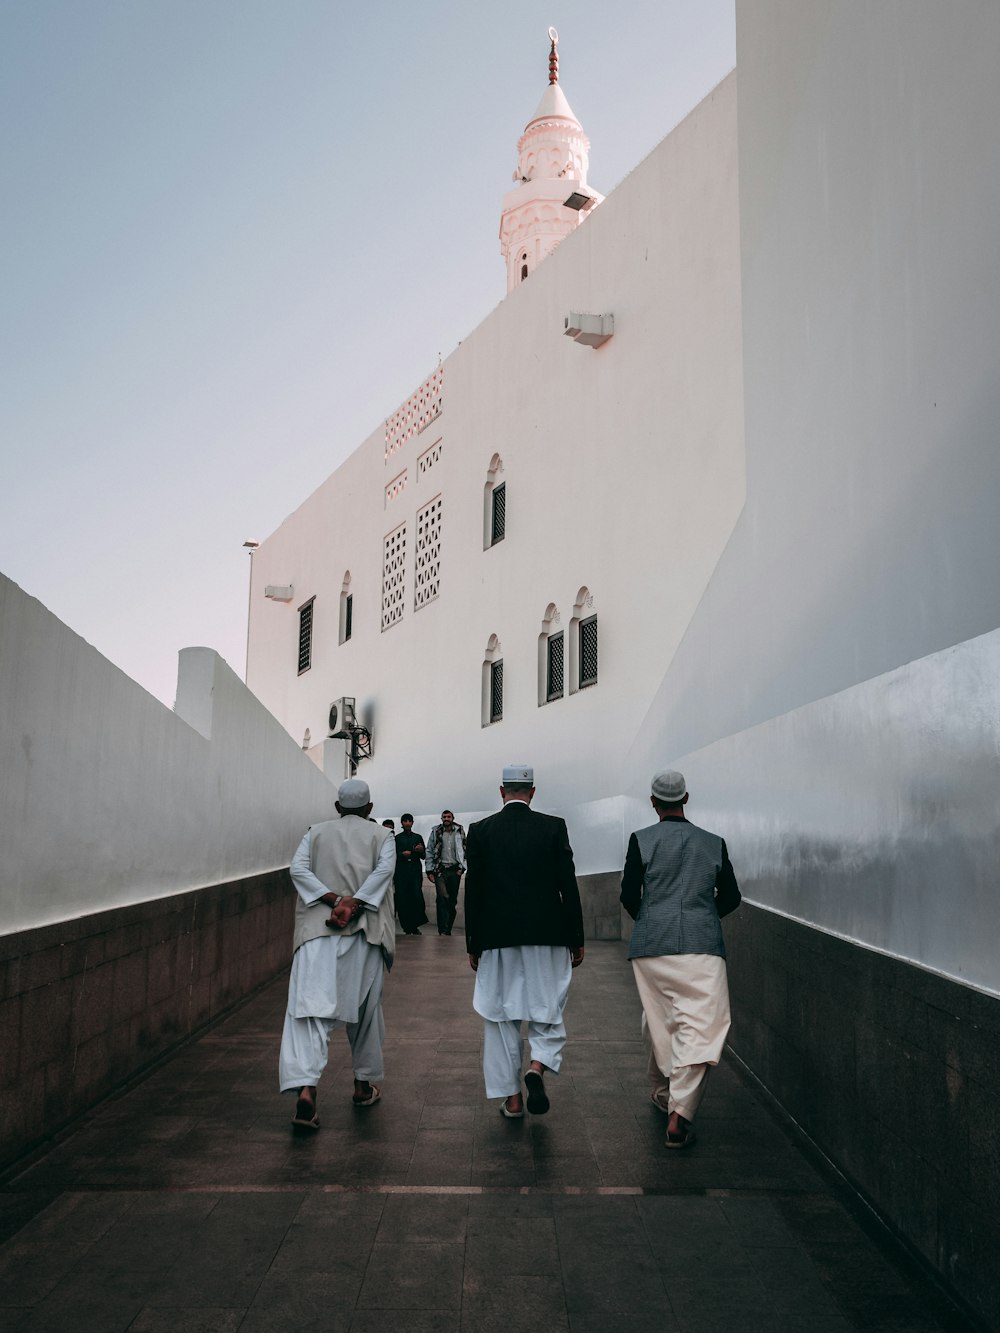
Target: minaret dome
551, 196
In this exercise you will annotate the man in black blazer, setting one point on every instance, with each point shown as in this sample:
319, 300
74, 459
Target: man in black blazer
524, 934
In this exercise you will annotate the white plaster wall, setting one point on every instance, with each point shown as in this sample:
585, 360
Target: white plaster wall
877, 815
108, 798
810, 681
620, 464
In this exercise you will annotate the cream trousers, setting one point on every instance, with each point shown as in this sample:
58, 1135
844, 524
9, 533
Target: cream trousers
685, 999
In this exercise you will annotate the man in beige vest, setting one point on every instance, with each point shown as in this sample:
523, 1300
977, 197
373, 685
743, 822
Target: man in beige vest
344, 941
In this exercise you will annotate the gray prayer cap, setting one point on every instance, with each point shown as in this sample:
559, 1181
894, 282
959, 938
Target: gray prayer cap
353, 794
518, 773
668, 786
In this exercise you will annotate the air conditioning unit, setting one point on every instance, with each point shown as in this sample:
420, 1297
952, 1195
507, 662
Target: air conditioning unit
279, 592
343, 721
589, 330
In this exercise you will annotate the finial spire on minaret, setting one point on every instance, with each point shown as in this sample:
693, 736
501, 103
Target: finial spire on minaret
551, 196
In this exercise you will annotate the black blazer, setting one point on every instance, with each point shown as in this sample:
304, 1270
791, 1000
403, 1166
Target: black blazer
520, 884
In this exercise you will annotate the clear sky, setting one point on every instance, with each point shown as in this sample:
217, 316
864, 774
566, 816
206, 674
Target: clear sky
236, 235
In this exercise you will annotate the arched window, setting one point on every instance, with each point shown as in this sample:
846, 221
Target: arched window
346, 609
523, 261
583, 642
492, 684
494, 504
550, 657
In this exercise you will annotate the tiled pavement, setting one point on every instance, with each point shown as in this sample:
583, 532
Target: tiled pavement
187, 1204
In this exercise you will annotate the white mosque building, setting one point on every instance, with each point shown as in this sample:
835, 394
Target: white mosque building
502, 569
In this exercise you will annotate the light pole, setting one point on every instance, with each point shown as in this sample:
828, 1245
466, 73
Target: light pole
249, 547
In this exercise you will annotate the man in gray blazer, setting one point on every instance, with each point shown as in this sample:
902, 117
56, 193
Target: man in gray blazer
524, 934
678, 883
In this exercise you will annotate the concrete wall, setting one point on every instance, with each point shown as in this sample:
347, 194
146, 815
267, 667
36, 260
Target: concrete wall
91, 1002
610, 458
108, 798
895, 1073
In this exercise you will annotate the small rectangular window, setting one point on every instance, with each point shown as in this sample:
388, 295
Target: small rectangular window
348, 616
305, 635
496, 691
554, 675
588, 651
499, 526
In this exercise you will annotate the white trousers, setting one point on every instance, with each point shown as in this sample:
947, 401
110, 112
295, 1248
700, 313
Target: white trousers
503, 1052
305, 1043
685, 1000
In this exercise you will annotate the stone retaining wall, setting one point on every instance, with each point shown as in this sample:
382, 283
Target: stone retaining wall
87, 1004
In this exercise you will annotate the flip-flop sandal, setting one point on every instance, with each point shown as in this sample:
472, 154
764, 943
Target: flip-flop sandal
370, 1100
538, 1101
305, 1116
510, 1115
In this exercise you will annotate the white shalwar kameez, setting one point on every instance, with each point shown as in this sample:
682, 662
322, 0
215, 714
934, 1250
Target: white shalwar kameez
335, 982
526, 982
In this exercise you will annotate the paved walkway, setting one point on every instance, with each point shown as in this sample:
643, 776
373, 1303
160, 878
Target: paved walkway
187, 1204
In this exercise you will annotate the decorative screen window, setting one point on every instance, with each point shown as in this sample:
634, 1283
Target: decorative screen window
428, 458
419, 410
395, 488
393, 576
554, 668
428, 567
496, 691
306, 635
499, 523
588, 651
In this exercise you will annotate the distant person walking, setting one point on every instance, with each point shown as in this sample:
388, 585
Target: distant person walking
524, 934
678, 883
408, 878
343, 943
445, 867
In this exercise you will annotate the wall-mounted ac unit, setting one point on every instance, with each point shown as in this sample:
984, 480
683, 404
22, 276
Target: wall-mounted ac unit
342, 717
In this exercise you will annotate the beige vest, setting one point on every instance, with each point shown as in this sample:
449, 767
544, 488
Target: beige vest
343, 853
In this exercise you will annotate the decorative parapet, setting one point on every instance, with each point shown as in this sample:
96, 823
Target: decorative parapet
419, 410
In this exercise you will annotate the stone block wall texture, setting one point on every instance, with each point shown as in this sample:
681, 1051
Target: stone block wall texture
894, 1071
87, 1004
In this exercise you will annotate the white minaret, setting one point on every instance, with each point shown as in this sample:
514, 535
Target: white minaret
551, 196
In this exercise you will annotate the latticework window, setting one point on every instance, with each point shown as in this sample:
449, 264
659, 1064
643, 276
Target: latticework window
393, 576
496, 691
499, 525
427, 583
428, 458
305, 635
554, 672
588, 651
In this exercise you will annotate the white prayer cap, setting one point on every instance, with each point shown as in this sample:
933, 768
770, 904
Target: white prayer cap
353, 794
668, 786
518, 773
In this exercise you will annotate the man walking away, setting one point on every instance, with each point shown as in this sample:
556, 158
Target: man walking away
524, 934
343, 943
678, 883
445, 867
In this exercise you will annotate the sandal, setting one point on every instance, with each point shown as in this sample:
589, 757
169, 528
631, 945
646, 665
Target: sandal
370, 1100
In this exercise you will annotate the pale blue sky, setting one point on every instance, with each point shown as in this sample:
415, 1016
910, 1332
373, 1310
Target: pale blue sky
236, 234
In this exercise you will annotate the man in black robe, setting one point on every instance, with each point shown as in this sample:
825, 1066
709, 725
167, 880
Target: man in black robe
408, 878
